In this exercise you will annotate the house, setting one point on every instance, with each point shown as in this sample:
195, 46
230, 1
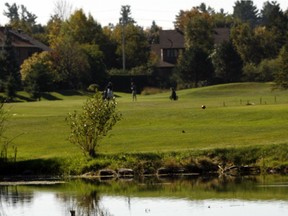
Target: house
171, 45
24, 45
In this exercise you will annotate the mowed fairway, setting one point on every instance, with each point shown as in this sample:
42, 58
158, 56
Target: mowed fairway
156, 124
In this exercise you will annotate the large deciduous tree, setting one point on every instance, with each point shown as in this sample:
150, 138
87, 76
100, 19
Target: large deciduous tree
76, 50
83, 29
227, 63
192, 67
195, 65
37, 74
69, 62
136, 45
199, 31
245, 43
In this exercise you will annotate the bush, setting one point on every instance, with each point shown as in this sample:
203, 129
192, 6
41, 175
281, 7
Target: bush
97, 118
93, 88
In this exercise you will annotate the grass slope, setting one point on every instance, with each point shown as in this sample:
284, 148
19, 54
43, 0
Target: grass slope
156, 124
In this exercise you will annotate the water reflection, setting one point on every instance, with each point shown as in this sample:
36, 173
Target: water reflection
149, 196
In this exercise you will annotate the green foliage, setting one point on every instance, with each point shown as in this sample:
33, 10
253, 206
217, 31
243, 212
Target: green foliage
136, 45
227, 63
83, 29
246, 11
96, 120
264, 72
20, 18
281, 75
9, 76
193, 66
70, 63
37, 74
153, 33
97, 69
141, 70
93, 88
10, 88
245, 43
199, 31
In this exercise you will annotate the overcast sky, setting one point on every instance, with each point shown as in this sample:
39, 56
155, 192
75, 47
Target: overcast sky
163, 12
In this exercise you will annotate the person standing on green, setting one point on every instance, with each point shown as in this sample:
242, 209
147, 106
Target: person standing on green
134, 91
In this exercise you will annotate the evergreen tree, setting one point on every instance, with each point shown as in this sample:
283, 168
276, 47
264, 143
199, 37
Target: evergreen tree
246, 11
10, 74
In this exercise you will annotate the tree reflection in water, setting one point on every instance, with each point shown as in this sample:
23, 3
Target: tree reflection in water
84, 204
10, 195
88, 197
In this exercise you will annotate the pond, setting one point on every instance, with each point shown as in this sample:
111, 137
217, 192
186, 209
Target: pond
201, 196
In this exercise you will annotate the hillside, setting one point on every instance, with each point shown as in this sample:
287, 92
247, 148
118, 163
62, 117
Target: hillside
154, 123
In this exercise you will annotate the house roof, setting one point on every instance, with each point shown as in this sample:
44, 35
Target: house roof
174, 39
171, 39
22, 40
221, 35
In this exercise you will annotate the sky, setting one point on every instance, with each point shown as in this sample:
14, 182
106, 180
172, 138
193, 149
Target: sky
144, 12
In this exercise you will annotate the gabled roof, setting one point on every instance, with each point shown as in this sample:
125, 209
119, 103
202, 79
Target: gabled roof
221, 35
171, 39
174, 39
20, 39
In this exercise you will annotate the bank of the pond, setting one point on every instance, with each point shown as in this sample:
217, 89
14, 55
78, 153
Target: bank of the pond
230, 161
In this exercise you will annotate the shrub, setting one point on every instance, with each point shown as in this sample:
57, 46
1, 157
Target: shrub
97, 118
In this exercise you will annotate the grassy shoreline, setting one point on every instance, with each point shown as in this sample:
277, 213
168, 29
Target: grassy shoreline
270, 159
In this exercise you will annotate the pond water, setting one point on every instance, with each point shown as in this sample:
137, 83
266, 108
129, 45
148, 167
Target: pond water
257, 195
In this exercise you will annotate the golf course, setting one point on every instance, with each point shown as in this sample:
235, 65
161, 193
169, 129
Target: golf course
246, 120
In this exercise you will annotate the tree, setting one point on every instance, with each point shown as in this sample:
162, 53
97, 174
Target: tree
109, 47
37, 75
153, 33
275, 21
62, 9
136, 45
69, 63
227, 63
9, 76
97, 69
192, 67
124, 20
195, 65
246, 11
281, 76
83, 29
20, 18
126, 15
271, 14
243, 39
199, 31
97, 118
